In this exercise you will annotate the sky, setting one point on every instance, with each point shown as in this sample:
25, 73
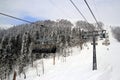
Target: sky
106, 11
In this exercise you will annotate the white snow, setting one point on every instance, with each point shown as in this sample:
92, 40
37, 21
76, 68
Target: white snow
79, 65
2, 26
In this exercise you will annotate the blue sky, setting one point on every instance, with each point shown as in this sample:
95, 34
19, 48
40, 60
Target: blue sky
107, 11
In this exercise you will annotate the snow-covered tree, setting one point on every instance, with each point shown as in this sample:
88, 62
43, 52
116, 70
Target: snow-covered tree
24, 57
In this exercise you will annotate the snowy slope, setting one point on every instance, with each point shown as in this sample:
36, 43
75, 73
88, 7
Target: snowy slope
79, 65
5, 26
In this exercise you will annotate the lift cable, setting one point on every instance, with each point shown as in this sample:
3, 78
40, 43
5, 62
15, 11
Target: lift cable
92, 13
81, 14
16, 18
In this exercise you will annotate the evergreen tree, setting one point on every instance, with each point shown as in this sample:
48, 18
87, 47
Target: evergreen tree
24, 57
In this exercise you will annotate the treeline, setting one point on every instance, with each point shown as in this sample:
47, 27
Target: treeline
16, 43
116, 33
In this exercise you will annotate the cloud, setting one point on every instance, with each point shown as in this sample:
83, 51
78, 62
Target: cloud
108, 10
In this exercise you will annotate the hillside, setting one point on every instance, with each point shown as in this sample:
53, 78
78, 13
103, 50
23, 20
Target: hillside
79, 65
23, 44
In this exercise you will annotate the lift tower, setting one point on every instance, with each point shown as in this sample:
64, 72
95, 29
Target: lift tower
94, 35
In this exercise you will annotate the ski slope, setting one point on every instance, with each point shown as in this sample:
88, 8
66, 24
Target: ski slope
79, 65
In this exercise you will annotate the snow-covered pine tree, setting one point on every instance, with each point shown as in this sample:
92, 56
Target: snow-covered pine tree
24, 57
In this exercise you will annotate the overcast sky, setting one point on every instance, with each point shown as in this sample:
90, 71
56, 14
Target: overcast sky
107, 11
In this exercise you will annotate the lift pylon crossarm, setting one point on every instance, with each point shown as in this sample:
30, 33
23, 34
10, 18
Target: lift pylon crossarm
88, 34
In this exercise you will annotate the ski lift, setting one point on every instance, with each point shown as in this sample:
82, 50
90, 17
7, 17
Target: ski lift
84, 35
44, 49
106, 42
103, 34
44, 44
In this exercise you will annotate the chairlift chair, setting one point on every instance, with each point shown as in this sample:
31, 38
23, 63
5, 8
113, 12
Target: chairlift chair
44, 45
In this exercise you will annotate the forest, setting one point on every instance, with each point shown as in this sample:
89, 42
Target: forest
22, 44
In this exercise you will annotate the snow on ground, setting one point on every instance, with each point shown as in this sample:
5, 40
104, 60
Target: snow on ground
79, 65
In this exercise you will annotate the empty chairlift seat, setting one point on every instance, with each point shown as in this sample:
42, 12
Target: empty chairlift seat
44, 48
